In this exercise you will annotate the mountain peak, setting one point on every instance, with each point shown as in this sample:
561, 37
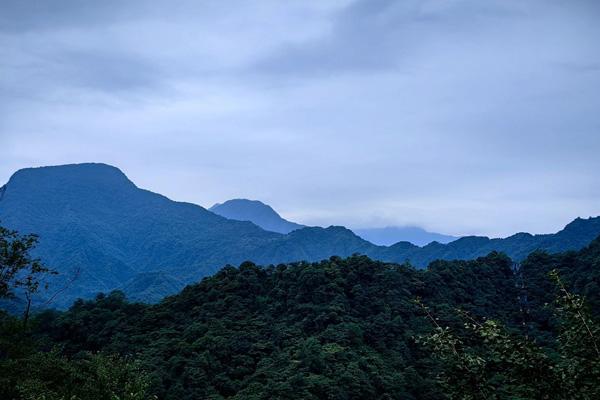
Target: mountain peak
243, 203
85, 173
582, 223
256, 212
70, 185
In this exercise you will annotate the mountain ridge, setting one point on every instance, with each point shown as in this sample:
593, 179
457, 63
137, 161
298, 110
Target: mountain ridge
267, 218
390, 235
93, 221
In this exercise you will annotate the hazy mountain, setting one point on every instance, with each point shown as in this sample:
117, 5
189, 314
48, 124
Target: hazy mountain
576, 235
256, 212
267, 218
393, 234
95, 224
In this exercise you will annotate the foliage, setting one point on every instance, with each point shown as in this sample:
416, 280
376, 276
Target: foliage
336, 329
27, 373
51, 376
343, 329
30, 369
18, 269
492, 363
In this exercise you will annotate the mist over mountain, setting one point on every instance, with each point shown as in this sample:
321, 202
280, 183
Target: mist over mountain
256, 212
390, 235
267, 218
100, 230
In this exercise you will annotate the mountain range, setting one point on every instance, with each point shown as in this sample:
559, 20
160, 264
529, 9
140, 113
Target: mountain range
102, 232
390, 235
267, 218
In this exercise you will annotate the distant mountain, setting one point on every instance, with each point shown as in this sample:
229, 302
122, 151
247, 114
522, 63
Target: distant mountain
267, 218
393, 234
256, 212
576, 235
95, 224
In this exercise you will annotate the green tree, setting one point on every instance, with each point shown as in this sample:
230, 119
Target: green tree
27, 372
19, 271
488, 361
50, 376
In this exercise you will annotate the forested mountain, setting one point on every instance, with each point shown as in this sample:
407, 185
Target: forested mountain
101, 232
393, 234
97, 225
341, 329
256, 212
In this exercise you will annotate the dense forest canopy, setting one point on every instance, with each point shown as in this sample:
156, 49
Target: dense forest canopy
338, 329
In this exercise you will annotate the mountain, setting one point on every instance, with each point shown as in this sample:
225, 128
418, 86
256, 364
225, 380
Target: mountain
100, 231
95, 224
256, 212
393, 234
576, 235
267, 218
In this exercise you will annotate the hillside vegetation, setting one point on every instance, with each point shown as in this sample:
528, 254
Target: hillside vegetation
350, 328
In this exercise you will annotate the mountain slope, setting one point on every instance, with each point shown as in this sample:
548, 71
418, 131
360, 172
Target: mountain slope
151, 286
256, 212
91, 218
95, 224
393, 234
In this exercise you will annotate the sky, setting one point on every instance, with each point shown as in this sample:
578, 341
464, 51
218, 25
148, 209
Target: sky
459, 116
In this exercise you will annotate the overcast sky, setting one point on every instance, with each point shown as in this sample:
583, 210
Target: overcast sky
461, 116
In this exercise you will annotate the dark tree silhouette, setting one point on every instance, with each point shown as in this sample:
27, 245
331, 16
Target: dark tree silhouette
19, 271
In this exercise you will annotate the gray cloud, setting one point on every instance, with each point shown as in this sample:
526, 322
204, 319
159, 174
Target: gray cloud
458, 115
385, 34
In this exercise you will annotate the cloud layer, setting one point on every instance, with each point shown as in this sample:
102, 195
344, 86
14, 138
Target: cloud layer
460, 116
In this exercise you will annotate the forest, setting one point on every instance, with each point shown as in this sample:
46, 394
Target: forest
342, 328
